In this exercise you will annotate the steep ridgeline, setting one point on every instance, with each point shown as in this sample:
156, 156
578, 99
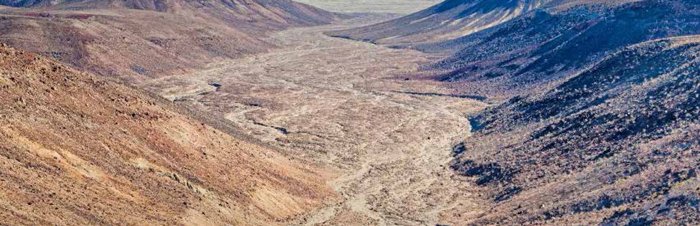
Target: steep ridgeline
520, 55
601, 123
453, 19
78, 150
617, 144
448, 20
504, 48
262, 15
142, 39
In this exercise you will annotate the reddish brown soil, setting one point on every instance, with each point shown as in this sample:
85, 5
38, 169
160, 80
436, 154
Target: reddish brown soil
78, 150
140, 39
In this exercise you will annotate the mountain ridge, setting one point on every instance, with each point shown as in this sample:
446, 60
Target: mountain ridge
139, 40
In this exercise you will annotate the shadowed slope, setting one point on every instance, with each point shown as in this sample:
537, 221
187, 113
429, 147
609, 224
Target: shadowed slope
454, 19
520, 55
617, 143
448, 20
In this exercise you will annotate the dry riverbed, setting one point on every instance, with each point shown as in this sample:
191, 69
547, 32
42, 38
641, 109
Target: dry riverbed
345, 104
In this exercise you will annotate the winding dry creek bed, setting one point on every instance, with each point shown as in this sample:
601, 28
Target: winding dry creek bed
344, 104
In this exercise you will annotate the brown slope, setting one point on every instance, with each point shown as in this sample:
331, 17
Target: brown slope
78, 150
138, 40
124, 42
265, 15
271, 13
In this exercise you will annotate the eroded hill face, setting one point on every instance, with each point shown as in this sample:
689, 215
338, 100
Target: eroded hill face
453, 19
617, 143
263, 15
599, 123
537, 46
448, 20
79, 150
139, 40
518, 56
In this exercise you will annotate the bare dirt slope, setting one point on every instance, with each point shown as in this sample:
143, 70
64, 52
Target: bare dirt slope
78, 150
141, 39
340, 102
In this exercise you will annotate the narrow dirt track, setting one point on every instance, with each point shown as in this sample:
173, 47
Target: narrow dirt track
338, 102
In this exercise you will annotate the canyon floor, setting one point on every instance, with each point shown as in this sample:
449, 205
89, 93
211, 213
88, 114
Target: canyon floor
363, 6
349, 105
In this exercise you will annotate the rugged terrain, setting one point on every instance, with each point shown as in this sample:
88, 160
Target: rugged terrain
479, 112
79, 150
448, 20
527, 54
346, 104
453, 19
616, 143
533, 49
599, 120
138, 40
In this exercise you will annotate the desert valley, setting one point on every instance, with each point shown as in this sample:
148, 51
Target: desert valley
334, 112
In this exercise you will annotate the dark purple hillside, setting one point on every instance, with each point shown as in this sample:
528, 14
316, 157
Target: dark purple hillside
618, 143
542, 46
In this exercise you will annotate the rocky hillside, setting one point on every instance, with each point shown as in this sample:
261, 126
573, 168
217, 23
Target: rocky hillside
599, 118
273, 14
263, 15
544, 42
615, 144
453, 19
518, 56
79, 150
138, 40
448, 20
